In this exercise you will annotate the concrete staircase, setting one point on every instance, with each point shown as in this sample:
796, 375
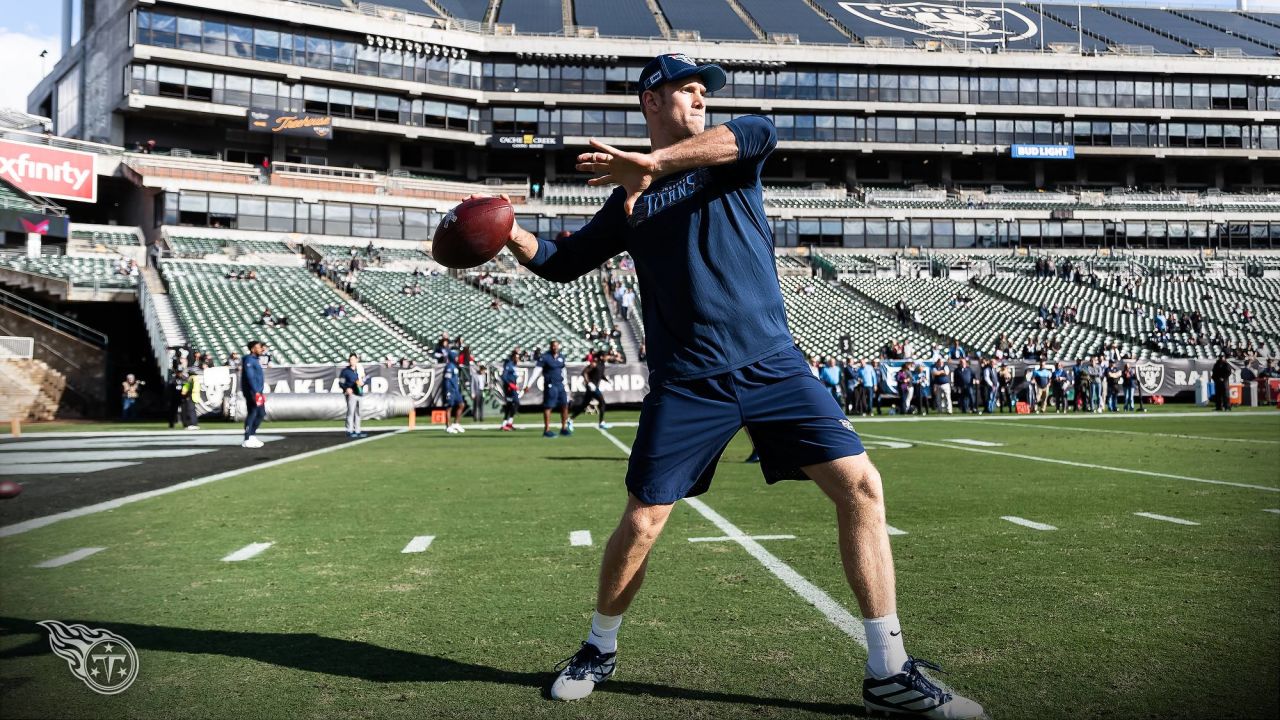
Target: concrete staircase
750, 21
30, 390
161, 320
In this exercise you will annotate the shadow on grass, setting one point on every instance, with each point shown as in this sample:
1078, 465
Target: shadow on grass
365, 661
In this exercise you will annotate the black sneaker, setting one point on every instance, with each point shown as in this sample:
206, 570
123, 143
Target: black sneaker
581, 672
911, 694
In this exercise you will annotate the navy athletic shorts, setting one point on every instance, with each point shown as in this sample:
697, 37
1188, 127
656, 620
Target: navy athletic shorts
452, 395
554, 396
685, 425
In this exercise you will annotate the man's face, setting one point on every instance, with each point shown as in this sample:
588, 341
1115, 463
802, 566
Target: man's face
555, 347
677, 108
353, 361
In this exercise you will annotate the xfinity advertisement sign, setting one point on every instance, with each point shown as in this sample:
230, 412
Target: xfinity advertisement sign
1043, 152
49, 172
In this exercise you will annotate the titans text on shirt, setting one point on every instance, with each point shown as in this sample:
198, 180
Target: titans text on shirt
703, 252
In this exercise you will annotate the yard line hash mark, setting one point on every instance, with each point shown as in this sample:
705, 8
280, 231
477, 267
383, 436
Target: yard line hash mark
1027, 523
579, 538
246, 552
1165, 518
70, 557
418, 544
729, 538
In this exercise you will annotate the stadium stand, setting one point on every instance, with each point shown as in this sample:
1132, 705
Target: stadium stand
1116, 30
446, 305
715, 20
821, 313
580, 304
1189, 31
80, 271
220, 314
107, 239
792, 17
532, 16
617, 17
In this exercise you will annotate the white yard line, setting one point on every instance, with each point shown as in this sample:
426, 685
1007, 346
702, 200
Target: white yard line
974, 443
1091, 466
418, 544
1027, 523
1165, 518
70, 557
1127, 432
814, 595
1275, 511
895, 531
32, 524
580, 538
248, 551
727, 538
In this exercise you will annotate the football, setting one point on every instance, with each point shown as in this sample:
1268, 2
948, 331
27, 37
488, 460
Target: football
473, 233
9, 489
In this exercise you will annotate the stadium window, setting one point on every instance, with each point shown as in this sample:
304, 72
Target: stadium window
1023, 133
877, 232
364, 106
828, 86
1086, 92
851, 88
341, 103
617, 80
1004, 132
1081, 133
1106, 93
388, 109
164, 30
786, 85
1101, 134
846, 130
1124, 94
315, 99
888, 85
434, 115
1181, 95
199, 85
904, 130
571, 80
825, 128
909, 88
253, 213
1028, 91
1200, 96
806, 85
343, 55
367, 58
1270, 137
615, 122
985, 233
988, 91
1047, 93
1008, 90
337, 218
169, 213
1239, 96
364, 221
193, 208
172, 83
265, 93
240, 41
1120, 135
570, 122
921, 233
404, 115
929, 90
280, 214
318, 52
390, 224
215, 37
949, 89
1196, 135
947, 131
1044, 132
854, 232
1144, 95
391, 64
417, 224
462, 73
593, 80
266, 45
189, 34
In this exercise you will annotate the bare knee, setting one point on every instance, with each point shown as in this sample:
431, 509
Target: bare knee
851, 482
642, 524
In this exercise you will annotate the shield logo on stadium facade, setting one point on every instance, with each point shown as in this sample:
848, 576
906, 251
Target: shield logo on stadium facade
1150, 377
415, 383
945, 21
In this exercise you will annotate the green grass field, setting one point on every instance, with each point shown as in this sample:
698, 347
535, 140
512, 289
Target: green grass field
1111, 615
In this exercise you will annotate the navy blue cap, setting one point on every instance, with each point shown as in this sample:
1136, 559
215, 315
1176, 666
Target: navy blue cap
677, 66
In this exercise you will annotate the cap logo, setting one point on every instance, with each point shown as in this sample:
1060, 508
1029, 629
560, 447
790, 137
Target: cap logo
652, 79
681, 57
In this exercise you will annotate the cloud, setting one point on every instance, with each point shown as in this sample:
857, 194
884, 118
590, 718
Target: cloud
20, 56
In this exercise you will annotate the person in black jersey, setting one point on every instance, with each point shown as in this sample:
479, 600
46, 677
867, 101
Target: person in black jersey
594, 374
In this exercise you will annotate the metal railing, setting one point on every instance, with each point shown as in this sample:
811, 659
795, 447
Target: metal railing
52, 319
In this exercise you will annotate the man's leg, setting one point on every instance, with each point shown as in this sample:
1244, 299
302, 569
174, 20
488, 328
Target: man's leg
546, 419
626, 556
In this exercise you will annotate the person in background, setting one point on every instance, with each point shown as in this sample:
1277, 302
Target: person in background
252, 387
830, 377
1097, 376
964, 379
554, 395
510, 391
851, 382
990, 385
904, 381
190, 392
867, 378
1221, 375
923, 395
1008, 399
129, 397
1113, 379
454, 402
1042, 378
1060, 385
353, 384
593, 375
942, 386
478, 382
1128, 381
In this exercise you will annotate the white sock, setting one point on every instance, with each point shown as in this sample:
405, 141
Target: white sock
885, 652
604, 632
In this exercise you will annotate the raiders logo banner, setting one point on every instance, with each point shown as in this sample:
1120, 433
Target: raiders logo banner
303, 392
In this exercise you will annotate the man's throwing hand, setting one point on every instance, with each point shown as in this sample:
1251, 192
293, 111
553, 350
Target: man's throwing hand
635, 172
